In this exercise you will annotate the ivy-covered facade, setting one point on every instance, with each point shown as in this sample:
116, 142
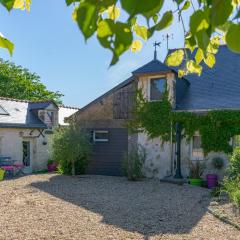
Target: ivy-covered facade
206, 106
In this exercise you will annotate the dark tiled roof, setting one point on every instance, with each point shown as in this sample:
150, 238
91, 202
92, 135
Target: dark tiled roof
216, 88
154, 66
20, 113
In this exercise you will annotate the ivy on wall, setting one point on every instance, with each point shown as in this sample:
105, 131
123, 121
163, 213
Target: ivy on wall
157, 119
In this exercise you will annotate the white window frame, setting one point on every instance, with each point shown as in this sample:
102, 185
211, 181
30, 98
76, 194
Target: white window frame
100, 140
195, 158
149, 86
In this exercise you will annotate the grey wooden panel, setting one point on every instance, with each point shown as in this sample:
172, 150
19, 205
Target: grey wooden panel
107, 157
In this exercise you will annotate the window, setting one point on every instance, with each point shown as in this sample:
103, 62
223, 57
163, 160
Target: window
41, 115
157, 88
51, 116
100, 136
197, 151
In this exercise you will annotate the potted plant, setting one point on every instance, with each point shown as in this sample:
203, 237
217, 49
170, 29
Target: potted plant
51, 165
196, 171
212, 179
2, 173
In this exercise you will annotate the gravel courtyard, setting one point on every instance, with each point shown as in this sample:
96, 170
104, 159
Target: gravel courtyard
51, 206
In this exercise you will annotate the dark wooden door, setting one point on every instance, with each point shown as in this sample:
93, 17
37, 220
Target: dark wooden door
107, 155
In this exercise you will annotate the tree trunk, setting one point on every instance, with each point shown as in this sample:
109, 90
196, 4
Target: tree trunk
73, 168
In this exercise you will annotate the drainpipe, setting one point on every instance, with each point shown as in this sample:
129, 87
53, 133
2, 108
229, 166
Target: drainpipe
178, 173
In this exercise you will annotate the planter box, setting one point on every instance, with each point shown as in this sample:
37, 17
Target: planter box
196, 182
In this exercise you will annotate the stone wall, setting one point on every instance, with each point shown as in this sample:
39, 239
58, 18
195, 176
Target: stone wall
100, 114
11, 145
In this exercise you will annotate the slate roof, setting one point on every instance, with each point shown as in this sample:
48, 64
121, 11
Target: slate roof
216, 88
155, 66
20, 114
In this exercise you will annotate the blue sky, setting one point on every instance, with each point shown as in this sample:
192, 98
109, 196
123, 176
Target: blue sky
49, 43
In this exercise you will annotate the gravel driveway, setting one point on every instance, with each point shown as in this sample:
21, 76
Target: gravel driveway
51, 206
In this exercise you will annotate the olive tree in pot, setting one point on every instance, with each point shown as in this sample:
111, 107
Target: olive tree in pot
71, 149
133, 163
195, 174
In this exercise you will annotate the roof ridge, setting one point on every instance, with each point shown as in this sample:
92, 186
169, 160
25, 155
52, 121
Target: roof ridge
70, 107
24, 100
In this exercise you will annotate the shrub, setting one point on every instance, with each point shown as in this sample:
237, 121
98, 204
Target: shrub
234, 164
217, 163
232, 187
232, 182
196, 169
133, 163
71, 149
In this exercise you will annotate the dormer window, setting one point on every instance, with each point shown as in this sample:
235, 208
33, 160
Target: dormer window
157, 88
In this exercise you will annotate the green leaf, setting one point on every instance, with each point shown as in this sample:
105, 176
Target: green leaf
165, 21
199, 55
233, 38
69, 2
210, 60
175, 58
181, 73
220, 11
8, 4
117, 37
185, 6
155, 18
87, 16
192, 67
113, 12
202, 39
5, 43
199, 21
190, 43
143, 7
141, 31
136, 46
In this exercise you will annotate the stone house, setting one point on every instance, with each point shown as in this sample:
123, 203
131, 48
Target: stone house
26, 128
217, 88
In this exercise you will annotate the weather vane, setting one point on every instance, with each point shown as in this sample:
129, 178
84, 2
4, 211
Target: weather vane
166, 38
156, 44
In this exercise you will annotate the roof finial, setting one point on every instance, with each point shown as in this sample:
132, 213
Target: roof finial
167, 37
156, 44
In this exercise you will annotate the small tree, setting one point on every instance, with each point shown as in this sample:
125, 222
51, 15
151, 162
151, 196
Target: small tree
71, 146
133, 163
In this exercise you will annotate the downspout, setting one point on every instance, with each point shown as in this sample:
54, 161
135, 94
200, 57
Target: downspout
178, 173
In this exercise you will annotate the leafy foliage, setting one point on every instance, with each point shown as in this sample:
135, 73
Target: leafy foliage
232, 181
157, 119
18, 82
115, 22
71, 149
133, 162
210, 24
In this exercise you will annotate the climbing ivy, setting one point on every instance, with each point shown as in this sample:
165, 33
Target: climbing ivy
157, 119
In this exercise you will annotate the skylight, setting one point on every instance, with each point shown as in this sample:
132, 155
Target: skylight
3, 111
